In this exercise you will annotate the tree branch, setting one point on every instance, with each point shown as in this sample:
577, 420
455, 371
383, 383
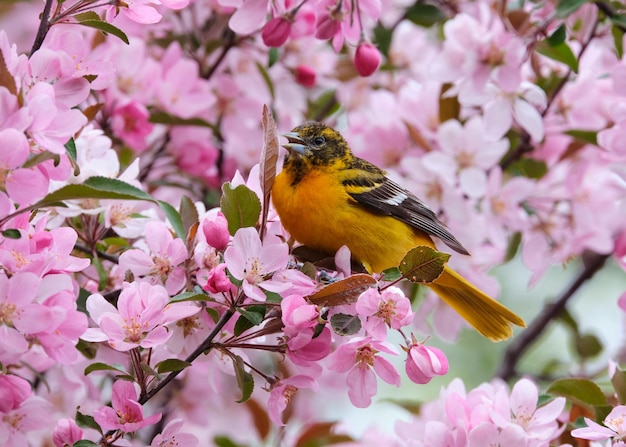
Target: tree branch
44, 26
551, 311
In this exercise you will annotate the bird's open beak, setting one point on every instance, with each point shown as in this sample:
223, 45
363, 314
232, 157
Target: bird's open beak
296, 143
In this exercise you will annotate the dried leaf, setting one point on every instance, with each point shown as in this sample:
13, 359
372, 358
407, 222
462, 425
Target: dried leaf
342, 292
269, 159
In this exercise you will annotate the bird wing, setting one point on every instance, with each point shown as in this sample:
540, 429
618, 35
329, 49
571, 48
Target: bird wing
374, 191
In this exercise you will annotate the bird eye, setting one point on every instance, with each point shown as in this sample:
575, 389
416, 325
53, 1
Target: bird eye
318, 141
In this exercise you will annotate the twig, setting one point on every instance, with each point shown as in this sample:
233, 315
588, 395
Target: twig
102, 255
551, 311
44, 26
204, 346
610, 13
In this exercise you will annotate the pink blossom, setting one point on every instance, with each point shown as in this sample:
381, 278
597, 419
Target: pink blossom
424, 362
130, 124
217, 280
13, 392
216, 231
251, 261
196, 154
326, 26
126, 413
276, 32
66, 433
614, 426
359, 356
305, 75
32, 415
366, 59
171, 436
162, 265
305, 349
391, 308
283, 391
140, 11
139, 319
249, 16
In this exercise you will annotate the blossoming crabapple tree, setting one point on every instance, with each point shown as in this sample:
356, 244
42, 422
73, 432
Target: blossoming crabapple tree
148, 293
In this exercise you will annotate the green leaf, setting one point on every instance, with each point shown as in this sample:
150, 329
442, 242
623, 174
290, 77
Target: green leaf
89, 350
344, 324
12, 233
171, 365
86, 421
272, 57
103, 275
560, 53
70, 148
557, 37
528, 167
584, 136
97, 188
188, 213
102, 367
618, 40
619, 20
188, 296
106, 28
566, 7
159, 117
588, 345
382, 38
224, 441
40, 158
252, 316
424, 14
618, 380
391, 274
582, 391
267, 78
423, 264
89, 15
241, 207
174, 218
323, 106
513, 246
245, 381
85, 443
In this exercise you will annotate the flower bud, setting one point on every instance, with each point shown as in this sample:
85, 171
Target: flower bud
425, 362
326, 26
276, 32
218, 281
305, 75
216, 232
366, 59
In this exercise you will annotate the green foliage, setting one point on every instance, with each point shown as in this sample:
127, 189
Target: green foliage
11, 233
245, 381
566, 7
582, 391
555, 47
240, 206
92, 20
171, 365
423, 264
344, 324
86, 421
252, 316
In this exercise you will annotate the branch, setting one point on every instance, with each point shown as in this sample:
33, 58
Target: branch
204, 346
610, 13
44, 26
551, 311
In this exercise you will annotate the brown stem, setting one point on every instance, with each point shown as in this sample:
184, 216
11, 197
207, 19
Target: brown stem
44, 26
551, 311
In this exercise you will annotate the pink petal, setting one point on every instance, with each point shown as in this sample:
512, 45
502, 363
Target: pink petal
529, 118
386, 371
361, 386
497, 118
248, 17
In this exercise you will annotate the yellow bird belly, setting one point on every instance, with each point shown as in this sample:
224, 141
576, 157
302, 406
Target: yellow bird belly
315, 213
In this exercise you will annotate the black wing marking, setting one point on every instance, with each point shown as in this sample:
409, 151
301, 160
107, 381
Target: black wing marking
390, 199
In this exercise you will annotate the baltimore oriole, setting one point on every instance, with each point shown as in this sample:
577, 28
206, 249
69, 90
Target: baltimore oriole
326, 197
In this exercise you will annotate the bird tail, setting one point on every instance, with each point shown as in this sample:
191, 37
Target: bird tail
485, 314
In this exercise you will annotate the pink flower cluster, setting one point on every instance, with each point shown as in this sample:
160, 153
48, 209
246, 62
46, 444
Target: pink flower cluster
486, 415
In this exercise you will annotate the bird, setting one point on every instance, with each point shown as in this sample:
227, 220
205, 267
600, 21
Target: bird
326, 197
